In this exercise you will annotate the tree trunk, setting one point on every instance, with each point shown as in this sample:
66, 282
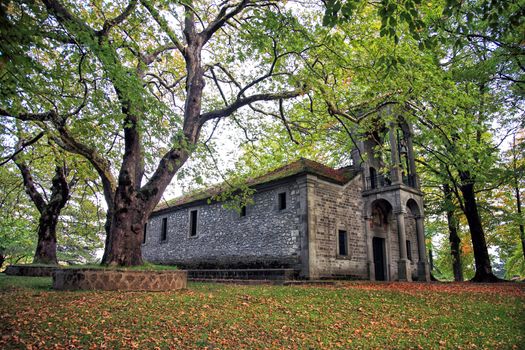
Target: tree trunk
481, 254
455, 243
517, 194
522, 229
46, 248
132, 207
124, 243
49, 211
453, 237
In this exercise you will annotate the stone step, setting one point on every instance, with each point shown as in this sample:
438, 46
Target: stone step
244, 274
235, 281
310, 282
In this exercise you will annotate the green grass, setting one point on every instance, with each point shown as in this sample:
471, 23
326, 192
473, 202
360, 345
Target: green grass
9, 283
349, 315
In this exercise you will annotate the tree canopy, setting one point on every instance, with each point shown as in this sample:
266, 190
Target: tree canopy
137, 87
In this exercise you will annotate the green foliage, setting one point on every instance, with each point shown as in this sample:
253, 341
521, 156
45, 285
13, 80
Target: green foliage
79, 227
394, 15
17, 232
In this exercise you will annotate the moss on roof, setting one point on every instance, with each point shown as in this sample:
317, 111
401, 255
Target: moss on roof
301, 166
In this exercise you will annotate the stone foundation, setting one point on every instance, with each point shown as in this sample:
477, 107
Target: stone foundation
100, 279
30, 270
244, 274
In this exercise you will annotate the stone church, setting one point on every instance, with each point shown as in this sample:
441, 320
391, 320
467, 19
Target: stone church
363, 221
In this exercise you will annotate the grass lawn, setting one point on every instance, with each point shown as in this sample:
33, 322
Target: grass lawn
358, 315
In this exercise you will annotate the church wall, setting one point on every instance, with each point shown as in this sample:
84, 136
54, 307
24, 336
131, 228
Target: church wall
394, 249
411, 235
339, 208
266, 237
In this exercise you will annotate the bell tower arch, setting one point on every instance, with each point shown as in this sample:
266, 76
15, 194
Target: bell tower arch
387, 161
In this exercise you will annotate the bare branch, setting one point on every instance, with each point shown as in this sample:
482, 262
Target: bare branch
29, 184
148, 59
22, 146
37, 117
222, 17
241, 102
285, 122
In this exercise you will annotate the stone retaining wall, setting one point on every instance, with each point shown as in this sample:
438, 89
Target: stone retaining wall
30, 270
95, 279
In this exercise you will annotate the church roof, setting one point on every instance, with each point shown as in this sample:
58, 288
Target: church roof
300, 167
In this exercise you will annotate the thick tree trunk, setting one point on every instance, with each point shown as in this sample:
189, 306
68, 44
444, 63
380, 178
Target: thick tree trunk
124, 243
453, 237
46, 248
481, 254
49, 211
132, 203
132, 208
455, 243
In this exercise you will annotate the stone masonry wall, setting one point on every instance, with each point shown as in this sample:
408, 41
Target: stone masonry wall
411, 233
340, 208
265, 238
392, 245
392, 248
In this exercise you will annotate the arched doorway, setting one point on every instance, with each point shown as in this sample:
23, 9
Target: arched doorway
415, 233
380, 227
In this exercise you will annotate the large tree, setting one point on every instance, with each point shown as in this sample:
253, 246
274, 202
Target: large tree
58, 192
157, 71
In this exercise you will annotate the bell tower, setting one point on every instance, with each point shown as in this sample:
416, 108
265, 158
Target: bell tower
393, 202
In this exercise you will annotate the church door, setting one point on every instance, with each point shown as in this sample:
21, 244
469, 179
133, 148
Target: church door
379, 258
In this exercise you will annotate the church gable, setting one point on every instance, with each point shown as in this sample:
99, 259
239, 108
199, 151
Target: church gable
338, 229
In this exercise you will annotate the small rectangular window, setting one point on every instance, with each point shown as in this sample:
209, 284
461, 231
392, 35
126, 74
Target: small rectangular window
243, 211
193, 223
164, 232
282, 201
144, 234
343, 243
409, 250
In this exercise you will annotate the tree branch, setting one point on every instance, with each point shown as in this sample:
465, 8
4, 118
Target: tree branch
241, 102
222, 17
119, 19
30, 185
64, 16
22, 146
163, 24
